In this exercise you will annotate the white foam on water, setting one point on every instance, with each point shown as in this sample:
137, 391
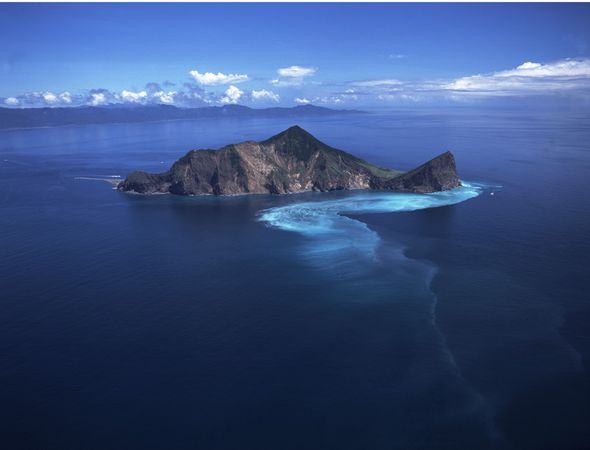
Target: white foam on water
325, 221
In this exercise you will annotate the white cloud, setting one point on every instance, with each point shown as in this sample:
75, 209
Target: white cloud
527, 78
377, 83
398, 97
296, 71
213, 79
529, 65
263, 95
165, 97
569, 77
563, 68
133, 97
65, 97
11, 101
292, 76
98, 99
395, 56
335, 99
49, 97
287, 82
232, 95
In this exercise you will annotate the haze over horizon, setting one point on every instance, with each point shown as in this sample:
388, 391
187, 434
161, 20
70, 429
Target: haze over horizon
334, 55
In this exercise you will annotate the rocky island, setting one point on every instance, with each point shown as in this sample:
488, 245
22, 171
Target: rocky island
292, 161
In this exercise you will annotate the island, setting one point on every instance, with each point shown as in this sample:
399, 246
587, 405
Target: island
290, 162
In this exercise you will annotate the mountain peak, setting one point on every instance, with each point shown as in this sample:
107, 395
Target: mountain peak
294, 131
294, 137
446, 156
438, 174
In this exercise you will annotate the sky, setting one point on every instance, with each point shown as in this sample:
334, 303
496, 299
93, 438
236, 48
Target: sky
346, 55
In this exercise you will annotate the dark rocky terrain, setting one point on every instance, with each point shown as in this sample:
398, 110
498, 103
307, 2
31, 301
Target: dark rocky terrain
291, 161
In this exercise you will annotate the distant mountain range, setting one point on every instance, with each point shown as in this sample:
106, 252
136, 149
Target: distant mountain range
291, 161
82, 115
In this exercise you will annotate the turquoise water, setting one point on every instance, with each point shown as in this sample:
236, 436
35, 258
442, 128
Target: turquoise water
345, 320
334, 232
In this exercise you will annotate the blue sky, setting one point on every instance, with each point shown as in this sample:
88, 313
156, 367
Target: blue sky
264, 54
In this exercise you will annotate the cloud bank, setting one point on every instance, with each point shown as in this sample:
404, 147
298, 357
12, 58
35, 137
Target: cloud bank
187, 95
528, 78
563, 78
567, 77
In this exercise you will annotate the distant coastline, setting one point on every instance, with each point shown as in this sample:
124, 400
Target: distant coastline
23, 118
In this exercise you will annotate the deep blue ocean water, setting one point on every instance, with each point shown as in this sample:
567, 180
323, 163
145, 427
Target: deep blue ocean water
311, 321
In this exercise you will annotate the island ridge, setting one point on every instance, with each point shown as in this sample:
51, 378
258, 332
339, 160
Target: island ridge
289, 162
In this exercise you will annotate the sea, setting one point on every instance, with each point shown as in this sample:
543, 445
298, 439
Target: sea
346, 320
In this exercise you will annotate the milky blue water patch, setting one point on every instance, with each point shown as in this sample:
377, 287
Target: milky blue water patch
331, 232
378, 270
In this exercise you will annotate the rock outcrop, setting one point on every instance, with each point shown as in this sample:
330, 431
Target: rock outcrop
438, 174
291, 161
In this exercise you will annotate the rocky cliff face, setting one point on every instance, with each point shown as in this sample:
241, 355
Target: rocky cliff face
438, 174
292, 161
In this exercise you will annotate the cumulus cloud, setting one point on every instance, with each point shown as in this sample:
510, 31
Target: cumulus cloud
214, 79
49, 97
41, 99
11, 101
296, 71
97, 99
165, 97
133, 97
65, 97
302, 101
264, 95
232, 95
189, 95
